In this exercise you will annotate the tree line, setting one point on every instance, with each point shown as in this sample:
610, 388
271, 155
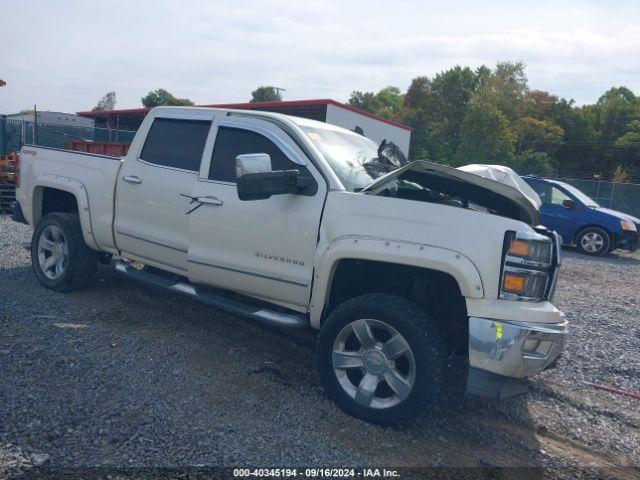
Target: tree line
485, 115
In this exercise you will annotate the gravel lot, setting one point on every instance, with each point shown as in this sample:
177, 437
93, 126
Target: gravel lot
122, 375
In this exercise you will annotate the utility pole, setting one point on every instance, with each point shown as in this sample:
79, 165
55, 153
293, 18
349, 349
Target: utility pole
3, 135
35, 125
3, 128
278, 90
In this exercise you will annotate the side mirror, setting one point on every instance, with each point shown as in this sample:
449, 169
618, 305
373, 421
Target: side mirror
260, 186
256, 180
252, 163
568, 203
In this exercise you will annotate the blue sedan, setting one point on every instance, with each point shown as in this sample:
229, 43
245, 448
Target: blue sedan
580, 221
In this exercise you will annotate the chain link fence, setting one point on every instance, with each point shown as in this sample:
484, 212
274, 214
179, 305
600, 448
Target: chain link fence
15, 132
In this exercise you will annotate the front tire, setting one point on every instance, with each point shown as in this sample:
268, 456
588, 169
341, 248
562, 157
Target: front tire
61, 259
593, 241
380, 358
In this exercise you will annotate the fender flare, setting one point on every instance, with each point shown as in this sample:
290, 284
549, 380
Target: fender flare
72, 186
460, 267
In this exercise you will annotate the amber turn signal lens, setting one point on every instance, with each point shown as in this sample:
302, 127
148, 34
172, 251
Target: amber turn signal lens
519, 247
514, 283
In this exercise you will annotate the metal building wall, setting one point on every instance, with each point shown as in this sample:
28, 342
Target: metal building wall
374, 129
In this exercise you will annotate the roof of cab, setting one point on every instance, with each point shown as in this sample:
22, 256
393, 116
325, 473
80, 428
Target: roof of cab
299, 121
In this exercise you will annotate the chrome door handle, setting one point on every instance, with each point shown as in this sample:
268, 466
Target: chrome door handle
209, 200
132, 179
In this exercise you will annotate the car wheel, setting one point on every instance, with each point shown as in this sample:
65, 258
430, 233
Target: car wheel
61, 259
380, 357
593, 241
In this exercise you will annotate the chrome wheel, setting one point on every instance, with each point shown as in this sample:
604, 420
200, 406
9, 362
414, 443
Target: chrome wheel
373, 363
592, 242
53, 252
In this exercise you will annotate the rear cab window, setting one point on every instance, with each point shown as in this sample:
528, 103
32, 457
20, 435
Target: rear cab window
176, 143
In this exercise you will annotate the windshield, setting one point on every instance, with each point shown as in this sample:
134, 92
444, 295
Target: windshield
581, 196
353, 158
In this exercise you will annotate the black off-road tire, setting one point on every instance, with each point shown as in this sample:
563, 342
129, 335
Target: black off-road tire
82, 261
417, 328
598, 232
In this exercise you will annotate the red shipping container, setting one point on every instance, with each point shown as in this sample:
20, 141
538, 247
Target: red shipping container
112, 149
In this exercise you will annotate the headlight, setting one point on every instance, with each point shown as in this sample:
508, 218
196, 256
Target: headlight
627, 225
528, 265
529, 249
525, 283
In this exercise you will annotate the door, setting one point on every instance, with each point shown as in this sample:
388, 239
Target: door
262, 248
154, 186
554, 215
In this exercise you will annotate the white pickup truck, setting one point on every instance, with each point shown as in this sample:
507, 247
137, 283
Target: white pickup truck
298, 223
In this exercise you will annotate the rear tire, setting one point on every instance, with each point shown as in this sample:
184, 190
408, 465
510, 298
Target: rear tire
61, 259
593, 241
374, 379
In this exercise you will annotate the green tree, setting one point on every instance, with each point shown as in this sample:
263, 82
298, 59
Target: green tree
538, 135
108, 102
483, 75
435, 109
266, 94
538, 103
505, 88
387, 103
452, 91
485, 136
579, 150
531, 162
416, 115
422, 142
614, 110
628, 146
162, 97
362, 100
418, 93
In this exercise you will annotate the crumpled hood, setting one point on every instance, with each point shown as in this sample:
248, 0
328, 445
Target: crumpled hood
620, 215
495, 196
505, 175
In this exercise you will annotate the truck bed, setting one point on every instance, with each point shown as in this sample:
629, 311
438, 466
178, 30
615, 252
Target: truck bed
89, 177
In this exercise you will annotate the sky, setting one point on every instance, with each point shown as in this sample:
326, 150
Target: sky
64, 55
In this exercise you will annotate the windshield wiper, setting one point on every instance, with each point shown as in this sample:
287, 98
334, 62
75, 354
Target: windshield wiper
374, 164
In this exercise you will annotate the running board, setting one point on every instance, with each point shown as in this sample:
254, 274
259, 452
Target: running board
271, 317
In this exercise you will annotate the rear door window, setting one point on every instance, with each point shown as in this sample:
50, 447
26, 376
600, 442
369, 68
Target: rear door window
176, 143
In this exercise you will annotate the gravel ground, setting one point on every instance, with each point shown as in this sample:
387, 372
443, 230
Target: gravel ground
123, 375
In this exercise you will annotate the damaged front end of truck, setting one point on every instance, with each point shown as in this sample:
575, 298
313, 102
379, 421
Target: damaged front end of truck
518, 333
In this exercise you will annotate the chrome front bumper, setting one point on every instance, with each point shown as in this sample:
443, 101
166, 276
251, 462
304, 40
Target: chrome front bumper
515, 350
